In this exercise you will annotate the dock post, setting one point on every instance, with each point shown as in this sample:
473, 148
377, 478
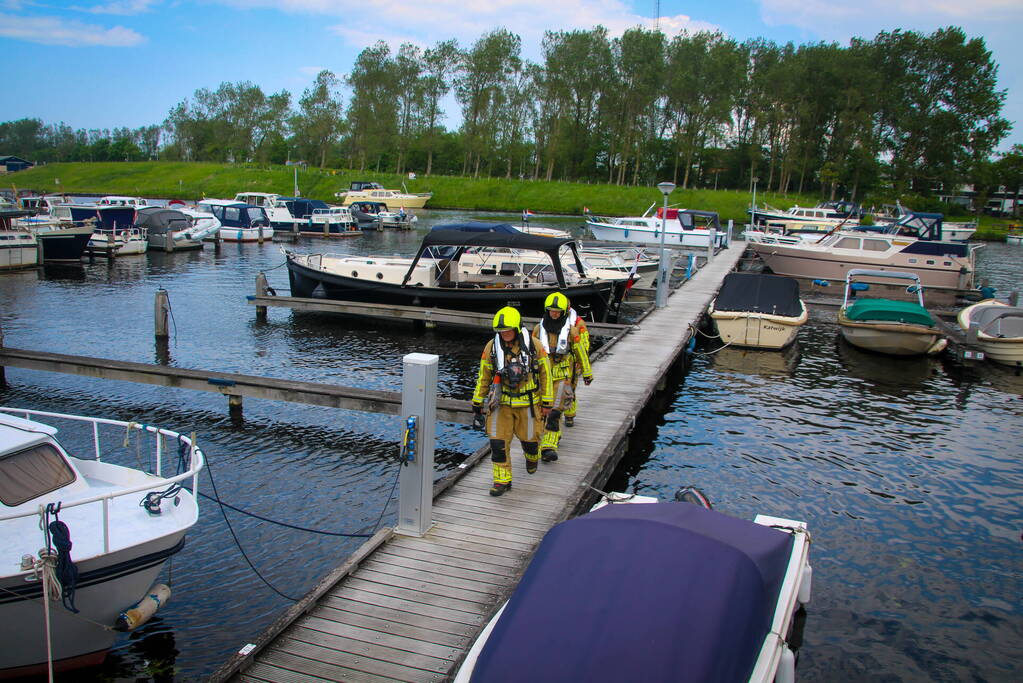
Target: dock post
419, 419
261, 288
111, 241
712, 236
234, 407
216, 243
728, 237
161, 305
1014, 299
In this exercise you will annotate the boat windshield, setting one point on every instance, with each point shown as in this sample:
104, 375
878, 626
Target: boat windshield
31, 473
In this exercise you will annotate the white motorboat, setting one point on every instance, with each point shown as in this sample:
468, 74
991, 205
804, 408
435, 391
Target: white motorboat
890, 326
758, 311
239, 222
330, 221
682, 228
177, 228
652, 591
1014, 238
939, 264
999, 330
105, 531
116, 200
630, 261
19, 247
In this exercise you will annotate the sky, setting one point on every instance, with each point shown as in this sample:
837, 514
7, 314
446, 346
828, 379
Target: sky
126, 63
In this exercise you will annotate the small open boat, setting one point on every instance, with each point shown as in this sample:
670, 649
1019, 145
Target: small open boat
105, 531
651, 591
758, 310
897, 328
999, 330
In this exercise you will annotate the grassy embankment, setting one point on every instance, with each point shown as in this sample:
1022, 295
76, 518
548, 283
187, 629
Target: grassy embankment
191, 181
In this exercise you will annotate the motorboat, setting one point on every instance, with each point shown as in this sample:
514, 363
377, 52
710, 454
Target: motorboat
631, 262
367, 213
175, 229
435, 278
117, 200
758, 310
999, 330
330, 221
84, 538
641, 590
939, 264
890, 214
1014, 238
19, 247
59, 242
824, 216
361, 190
113, 221
891, 326
682, 227
279, 210
239, 222
398, 220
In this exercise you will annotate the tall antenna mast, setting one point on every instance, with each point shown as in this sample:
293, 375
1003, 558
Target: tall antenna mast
657, 21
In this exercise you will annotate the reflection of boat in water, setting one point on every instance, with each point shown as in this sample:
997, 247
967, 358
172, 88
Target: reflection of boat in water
893, 327
642, 590
999, 330
762, 362
757, 310
122, 523
887, 374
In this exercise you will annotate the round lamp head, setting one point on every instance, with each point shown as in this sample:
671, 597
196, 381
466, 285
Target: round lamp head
666, 188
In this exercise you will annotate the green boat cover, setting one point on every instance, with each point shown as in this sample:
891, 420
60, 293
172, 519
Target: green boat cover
886, 310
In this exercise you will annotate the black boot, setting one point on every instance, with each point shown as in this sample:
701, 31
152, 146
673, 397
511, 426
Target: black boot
549, 455
569, 420
499, 489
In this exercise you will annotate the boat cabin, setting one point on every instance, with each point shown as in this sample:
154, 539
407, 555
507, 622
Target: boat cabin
113, 200
32, 464
264, 199
363, 185
235, 214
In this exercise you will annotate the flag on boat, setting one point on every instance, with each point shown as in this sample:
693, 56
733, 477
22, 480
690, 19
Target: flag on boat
632, 275
526, 213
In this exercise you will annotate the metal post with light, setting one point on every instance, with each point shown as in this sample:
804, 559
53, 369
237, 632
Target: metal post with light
753, 213
662, 272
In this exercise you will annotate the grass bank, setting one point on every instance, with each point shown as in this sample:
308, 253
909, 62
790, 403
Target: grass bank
190, 181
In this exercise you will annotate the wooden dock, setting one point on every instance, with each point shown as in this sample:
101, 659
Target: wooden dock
406, 608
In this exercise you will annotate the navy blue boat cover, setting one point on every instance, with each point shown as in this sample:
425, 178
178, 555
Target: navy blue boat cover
759, 293
641, 592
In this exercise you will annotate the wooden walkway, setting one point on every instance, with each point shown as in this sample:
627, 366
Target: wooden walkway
407, 609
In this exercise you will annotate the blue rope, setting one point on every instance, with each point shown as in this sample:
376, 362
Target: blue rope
67, 572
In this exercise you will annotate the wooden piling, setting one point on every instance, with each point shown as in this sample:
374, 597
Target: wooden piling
261, 288
161, 306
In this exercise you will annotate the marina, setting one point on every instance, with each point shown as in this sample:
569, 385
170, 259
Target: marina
705, 418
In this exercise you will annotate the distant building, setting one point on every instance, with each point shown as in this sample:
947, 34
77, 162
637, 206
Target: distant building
1002, 201
10, 164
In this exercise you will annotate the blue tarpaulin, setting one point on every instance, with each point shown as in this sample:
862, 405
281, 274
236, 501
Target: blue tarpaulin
641, 592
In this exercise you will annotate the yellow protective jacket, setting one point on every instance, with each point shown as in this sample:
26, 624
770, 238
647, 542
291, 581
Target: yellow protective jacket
536, 387
566, 349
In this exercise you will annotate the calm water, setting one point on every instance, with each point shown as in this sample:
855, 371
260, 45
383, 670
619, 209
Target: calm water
907, 471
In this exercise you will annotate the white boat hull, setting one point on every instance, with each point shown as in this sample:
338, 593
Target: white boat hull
1000, 343
246, 234
642, 235
893, 339
757, 330
18, 250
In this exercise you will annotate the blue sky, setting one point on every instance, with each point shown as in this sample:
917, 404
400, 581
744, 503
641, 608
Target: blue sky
113, 63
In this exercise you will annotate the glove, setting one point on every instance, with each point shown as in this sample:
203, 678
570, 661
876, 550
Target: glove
478, 421
545, 410
587, 381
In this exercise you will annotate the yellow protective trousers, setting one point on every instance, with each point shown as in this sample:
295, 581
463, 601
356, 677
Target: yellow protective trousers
506, 422
564, 400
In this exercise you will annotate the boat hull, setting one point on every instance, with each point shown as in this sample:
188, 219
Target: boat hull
64, 244
330, 230
757, 330
20, 251
639, 235
893, 339
795, 261
107, 585
393, 203
594, 301
1007, 350
246, 234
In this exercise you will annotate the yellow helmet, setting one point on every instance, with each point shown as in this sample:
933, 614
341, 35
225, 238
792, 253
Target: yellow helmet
557, 301
507, 319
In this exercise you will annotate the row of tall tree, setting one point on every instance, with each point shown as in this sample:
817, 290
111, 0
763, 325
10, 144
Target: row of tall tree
903, 111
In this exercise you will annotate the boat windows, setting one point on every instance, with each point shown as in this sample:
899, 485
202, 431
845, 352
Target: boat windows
875, 245
31, 473
848, 243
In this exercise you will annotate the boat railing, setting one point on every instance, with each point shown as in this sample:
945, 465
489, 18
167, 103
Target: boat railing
195, 462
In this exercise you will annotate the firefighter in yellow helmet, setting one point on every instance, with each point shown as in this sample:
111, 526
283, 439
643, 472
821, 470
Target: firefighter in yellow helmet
560, 333
514, 392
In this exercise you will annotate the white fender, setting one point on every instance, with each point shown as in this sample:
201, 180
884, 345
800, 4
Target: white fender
139, 613
805, 585
786, 667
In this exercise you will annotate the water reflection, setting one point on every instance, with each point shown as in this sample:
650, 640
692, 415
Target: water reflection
756, 361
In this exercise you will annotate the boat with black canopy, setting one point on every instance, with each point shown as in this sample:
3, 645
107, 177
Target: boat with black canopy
433, 278
758, 310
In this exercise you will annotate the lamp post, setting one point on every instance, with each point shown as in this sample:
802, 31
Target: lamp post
753, 213
662, 271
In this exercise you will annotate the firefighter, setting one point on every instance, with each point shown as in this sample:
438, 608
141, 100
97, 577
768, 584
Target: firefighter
513, 395
584, 341
561, 334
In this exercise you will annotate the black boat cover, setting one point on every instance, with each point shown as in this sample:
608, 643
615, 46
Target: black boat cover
641, 592
759, 293
454, 235
480, 226
159, 220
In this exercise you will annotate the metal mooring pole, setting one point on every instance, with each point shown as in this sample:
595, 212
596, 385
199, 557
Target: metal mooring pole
160, 307
419, 420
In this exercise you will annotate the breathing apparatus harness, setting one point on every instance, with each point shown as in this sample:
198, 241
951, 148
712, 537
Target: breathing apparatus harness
568, 320
514, 372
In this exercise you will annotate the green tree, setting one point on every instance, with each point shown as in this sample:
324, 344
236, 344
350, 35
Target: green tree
373, 107
318, 124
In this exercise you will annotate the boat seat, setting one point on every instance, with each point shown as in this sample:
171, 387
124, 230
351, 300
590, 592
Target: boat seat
1000, 321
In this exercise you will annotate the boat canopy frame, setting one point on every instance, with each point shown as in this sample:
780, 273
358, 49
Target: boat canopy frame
455, 235
916, 288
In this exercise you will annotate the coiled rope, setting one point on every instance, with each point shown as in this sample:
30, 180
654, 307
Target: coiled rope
65, 571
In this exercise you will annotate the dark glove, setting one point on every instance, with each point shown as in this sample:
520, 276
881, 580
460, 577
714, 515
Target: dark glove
478, 420
587, 381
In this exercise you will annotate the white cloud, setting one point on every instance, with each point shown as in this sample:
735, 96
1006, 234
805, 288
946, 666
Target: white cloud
121, 7
70, 33
312, 71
